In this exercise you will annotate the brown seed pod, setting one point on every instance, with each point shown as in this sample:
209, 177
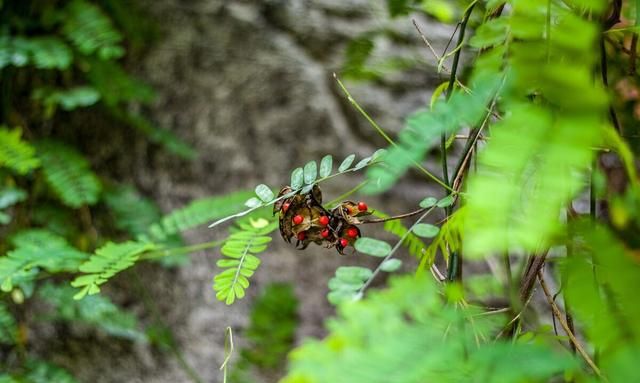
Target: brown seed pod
303, 218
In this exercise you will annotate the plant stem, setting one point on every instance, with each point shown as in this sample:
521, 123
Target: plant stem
558, 314
180, 250
455, 264
394, 217
385, 135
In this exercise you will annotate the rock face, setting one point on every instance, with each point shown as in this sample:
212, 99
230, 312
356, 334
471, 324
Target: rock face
249, 84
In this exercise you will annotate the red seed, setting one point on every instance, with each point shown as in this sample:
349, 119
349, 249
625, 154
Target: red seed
323, 220
325, 233
301, 236
352, 232
285, 206
298, 219
344, 242
362, 206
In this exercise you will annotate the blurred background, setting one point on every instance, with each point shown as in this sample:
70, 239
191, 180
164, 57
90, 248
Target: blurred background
170, 101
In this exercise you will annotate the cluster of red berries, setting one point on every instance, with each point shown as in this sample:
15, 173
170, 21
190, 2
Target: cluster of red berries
304, 218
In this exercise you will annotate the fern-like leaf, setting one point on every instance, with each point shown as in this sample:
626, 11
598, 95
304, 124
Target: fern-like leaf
240, 249
38, 371
37, 248
68, 174
412, 242
15, 153
448, 239
96, 310
198, 213
91, 31
107, 261
8, 327
47, 52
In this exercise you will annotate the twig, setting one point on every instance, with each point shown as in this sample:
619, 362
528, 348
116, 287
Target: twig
632, 54
558, 314
385, 135
399, 216
605, 82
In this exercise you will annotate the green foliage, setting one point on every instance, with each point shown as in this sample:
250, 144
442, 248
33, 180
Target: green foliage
371, 246
68, 174
16, 154
42, 52
8, 327
347, 283
241, 248
536, 145
91, 31
107, 261
69, 99
409, 334
132, 212
272, 325
197, 213
37, 249
38, 371
95, 311
412, 242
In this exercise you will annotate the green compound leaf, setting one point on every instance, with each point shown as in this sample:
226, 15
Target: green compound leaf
68, 174
107, 261
15, 153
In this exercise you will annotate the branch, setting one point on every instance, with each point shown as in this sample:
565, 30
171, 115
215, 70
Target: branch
558, 314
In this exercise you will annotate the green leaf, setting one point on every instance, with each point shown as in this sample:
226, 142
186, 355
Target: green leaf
374, 247
68, 174
8, 326
253, 202
264, 193
10, 196
91, 31
15, 153
346, 163
362, 163
428, 202
425, 230
446, 201
107, 261
247, 240
198, 212
391, 265
95, 311
68, 99
310, 172
297, 178
326, 165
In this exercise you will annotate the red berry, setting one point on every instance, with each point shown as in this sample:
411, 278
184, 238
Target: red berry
301, 236
325, 233
362, 206
352, 232
298, 219
344, 242
323, 220
285, 206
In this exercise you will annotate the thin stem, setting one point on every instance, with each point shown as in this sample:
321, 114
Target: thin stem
633, 54
558, 314
393, 250
329, 205
385, 135
399, 216
605, 82
180, 250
